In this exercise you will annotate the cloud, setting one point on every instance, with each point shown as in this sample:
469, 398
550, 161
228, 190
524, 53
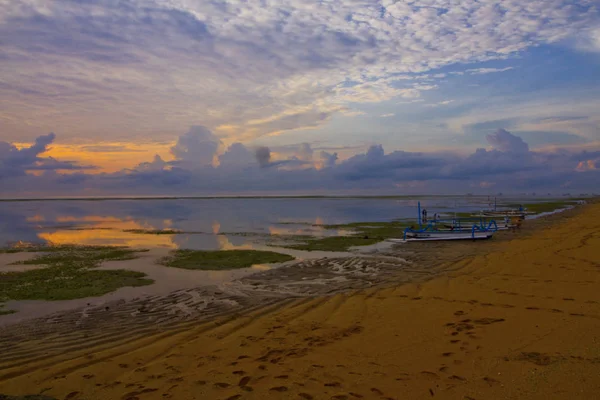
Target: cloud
483, 71
263, 156
387, 115
441, 103
509, 166
196, 148
505, 141
237, 156
16, 162
156, 67
326, 160
158, 164
589, 40
110, 148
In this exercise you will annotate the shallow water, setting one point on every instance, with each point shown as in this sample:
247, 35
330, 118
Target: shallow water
226, 223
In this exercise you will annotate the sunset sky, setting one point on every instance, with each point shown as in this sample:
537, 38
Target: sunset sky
200, 97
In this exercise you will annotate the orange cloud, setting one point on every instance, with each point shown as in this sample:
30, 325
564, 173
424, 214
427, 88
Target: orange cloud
588, 165
108, 156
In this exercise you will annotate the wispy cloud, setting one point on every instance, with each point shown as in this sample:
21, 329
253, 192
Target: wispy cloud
441, 103
483, 71
154, 68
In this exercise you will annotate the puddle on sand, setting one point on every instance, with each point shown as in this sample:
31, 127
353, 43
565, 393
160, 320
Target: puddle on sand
7, 259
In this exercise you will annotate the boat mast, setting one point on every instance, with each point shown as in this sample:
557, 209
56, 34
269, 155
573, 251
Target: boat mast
419, 210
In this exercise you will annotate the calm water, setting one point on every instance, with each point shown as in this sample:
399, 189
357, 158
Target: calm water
215, 223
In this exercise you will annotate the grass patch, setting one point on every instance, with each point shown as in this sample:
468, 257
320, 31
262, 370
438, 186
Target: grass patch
365, 233
221, 259
5, 312
547, 206
81, 257
70, 274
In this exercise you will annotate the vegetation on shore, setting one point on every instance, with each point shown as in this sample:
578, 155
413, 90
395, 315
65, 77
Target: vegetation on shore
364, 234
5, 312
69, 274
221, 259
546, 206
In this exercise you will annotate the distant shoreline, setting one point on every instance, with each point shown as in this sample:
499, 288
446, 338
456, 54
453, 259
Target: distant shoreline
279, 197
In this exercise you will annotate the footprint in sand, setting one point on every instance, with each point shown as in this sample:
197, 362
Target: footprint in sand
306, 396
491, 381
279, 389
377, 391
244, 381
430, 374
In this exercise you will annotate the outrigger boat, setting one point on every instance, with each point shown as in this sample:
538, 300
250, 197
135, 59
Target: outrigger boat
521, 212
454, 230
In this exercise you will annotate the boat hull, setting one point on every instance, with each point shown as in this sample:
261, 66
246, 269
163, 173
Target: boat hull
439, 236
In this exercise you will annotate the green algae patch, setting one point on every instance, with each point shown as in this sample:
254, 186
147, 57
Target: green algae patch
5, 312
68, 272
546, 206
363, 234
221, 259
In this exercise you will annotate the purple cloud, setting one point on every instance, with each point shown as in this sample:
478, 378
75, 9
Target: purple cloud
503, 140
510, 166
16, 162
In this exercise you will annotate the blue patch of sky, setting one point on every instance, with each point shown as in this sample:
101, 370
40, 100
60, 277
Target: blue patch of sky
538, 73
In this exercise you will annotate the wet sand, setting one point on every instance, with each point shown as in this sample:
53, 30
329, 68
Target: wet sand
517, 317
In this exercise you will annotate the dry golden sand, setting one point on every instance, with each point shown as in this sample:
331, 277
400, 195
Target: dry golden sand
520, 322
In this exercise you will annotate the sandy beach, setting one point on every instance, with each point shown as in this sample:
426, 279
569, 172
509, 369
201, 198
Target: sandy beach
517, 318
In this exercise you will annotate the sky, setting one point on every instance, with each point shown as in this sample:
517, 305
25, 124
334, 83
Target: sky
203, 97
